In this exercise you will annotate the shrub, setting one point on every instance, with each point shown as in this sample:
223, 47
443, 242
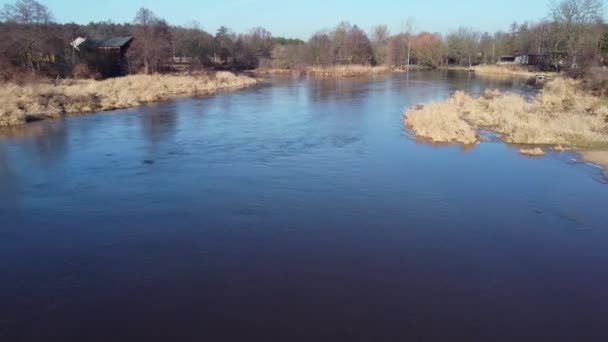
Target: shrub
82, 72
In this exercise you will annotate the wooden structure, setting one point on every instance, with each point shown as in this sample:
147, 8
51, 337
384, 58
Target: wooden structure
106, 56
521, 59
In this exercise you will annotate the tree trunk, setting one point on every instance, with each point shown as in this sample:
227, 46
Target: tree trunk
409, 49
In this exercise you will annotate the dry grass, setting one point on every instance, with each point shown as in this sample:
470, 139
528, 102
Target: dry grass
533, 152
23, 103
562, 114
503, 70
507, 70
347, 70
330, 71
434, 122
271, 71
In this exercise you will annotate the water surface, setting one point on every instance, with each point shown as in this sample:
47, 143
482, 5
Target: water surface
297, 210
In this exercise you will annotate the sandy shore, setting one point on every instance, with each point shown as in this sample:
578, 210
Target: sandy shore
599, 158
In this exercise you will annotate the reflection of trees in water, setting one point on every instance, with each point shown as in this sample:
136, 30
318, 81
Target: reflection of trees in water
486, 80
330, 88
46, 140
158, 123
8, 183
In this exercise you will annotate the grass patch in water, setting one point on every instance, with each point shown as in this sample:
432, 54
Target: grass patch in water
561, 114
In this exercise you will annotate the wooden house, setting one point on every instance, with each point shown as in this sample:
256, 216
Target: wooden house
106, 56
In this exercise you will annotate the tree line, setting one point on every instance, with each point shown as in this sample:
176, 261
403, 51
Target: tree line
572, 36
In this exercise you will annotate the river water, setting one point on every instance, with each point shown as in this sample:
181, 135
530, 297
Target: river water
297, 210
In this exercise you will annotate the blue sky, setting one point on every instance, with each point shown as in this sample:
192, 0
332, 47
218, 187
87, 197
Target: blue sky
302, 18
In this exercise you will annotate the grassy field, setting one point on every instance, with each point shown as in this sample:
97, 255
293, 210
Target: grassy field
22, 103
561, 115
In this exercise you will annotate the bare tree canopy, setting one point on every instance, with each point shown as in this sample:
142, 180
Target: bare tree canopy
26, 12
571, 37
574, 19
153, 40
577, 12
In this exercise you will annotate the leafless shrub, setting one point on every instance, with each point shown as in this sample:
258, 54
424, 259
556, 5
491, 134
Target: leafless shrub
82, 72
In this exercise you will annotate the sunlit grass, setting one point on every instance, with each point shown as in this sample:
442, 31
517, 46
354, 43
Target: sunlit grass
347, 70
561, 114
22, 102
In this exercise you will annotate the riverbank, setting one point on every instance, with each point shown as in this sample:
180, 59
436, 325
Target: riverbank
331, 71
502, 70
562, 115
33, 102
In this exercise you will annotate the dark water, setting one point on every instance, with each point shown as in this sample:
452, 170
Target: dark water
299, 210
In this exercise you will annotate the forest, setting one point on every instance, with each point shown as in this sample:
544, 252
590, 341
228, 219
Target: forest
571, 37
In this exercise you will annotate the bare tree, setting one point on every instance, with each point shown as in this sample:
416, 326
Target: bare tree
427, 49
319, 49
410, 36
153, 39
380, 35
463, 45
261, 42
29, 19
193, 43
359, 46
575, 19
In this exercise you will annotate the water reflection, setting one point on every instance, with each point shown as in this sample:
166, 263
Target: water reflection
158, 123
335, 88
48, 140
266, 213
8, 183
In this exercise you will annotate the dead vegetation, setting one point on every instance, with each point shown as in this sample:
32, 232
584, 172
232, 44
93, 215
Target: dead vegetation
532, 152
494, 70
517, 70
22, 103
354, 70
563, 115
347, 70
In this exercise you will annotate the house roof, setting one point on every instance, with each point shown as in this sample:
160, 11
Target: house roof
107, 43
115, 42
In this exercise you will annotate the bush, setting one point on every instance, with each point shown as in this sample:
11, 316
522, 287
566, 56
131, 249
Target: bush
83, 71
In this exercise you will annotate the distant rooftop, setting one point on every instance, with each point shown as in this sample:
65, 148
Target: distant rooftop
115, 42
108, 43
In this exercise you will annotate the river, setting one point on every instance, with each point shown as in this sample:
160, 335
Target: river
300, 209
